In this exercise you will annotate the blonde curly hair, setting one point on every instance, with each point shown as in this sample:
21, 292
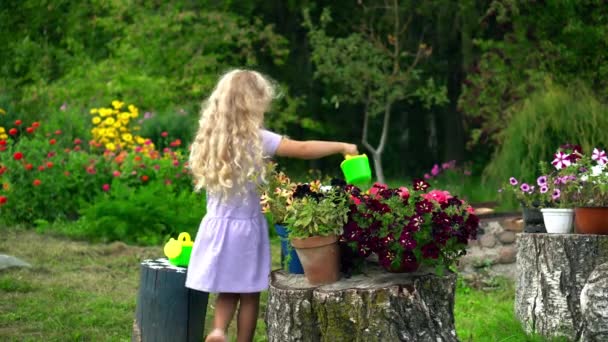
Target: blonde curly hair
227, 151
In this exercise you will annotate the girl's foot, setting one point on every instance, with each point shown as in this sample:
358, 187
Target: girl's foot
217, 335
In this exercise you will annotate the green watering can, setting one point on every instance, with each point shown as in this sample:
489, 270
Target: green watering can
178, 251
356, 170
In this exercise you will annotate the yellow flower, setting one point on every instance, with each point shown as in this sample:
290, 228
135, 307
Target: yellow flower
117, 104
109, 121
117, 124
110, 146
96, 120
2, 130
125, 116
94, 111
127, 137
110, 133
139, 140
2, 111
3, 136
123, 129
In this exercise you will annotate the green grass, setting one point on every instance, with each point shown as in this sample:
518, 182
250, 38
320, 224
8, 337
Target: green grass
82, 291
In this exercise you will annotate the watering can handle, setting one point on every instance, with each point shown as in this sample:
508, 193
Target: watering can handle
184, 237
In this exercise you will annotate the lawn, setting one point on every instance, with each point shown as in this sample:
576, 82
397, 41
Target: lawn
86, 292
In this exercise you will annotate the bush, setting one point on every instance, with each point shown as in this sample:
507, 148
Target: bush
547, 120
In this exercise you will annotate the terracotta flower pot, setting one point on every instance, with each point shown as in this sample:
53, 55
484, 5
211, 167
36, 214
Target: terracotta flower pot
320, 258
591, 220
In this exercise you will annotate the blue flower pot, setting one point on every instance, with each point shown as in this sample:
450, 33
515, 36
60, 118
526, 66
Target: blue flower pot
294, 265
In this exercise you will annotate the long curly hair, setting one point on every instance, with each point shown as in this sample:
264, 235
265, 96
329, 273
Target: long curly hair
227, 151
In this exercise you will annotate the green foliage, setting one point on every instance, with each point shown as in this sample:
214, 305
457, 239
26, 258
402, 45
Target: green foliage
550, 118
307, 216
146, 215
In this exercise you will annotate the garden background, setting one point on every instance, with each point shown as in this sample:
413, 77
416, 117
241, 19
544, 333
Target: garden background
467, 92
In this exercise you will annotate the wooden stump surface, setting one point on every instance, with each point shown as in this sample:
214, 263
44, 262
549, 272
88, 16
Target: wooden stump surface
552, 271
375, 306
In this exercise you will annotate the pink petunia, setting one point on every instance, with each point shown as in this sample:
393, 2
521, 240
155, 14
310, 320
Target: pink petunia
435, 170
438, 196
599, 156
561, 160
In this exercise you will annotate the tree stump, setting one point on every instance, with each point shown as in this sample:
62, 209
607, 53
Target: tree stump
375, 306
166, 309
552, 270
594, 304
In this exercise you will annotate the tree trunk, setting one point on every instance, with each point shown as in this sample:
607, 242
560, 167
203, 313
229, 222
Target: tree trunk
594, 304
166, 309
377, 306
552, 271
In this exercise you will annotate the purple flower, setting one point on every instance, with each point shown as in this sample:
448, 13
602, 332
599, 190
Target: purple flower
513, 181
561, 160
424, 207
542, 180
430, 250
420, 185
435, 170
556, 194
544, 189
599, 156
525, 187
407, 241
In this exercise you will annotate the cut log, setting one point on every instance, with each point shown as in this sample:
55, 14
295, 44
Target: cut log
552, 271
166, 309
594, 304
376, 306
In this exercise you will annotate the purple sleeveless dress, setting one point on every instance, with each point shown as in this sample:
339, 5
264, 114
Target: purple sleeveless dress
231, 252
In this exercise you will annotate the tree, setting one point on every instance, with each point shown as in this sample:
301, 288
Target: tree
376, 66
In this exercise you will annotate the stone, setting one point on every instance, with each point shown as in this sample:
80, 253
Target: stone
473, 243
507, 255
594, 305
513, 225
7, 261
506, 237
487, 241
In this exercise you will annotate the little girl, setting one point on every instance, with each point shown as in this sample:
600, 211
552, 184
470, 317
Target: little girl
231, 253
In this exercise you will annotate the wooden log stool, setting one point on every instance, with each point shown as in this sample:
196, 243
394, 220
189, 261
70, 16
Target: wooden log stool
374, 306
552, 270
166, 309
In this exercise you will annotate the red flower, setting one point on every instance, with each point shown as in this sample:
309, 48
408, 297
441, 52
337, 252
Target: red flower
3, 170
57, 132
12, 131
18, 156
76, 148
144, 178
37, 182
30, 129
41, 168
2, 142
105, 187
52, 141
66, 173
17, 122
49, 165
2, 148
29, 166
176, 143
77, 141
35, 124
3, 200
164, 134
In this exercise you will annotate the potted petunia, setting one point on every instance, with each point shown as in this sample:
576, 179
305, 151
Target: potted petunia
276, 196
590, 194
316, 219
409, 228
530, 196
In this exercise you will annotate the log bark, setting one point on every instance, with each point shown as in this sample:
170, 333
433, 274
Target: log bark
594, 304
552, 271
374, 306
166, 309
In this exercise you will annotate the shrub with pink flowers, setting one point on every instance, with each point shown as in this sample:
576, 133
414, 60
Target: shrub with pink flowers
409, 227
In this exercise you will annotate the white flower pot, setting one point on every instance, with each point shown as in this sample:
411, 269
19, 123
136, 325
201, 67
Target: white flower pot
558, 220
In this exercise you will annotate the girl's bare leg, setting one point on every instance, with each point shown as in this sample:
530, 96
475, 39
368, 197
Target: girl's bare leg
225, 306
248, 316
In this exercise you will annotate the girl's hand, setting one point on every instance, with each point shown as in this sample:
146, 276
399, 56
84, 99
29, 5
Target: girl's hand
349, 149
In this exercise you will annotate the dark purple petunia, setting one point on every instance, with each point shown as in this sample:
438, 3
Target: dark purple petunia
423, 207
407, 241
420, 185
440, 218
457, 220
430, 250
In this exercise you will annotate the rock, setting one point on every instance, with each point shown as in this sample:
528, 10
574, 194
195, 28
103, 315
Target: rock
507, 255
513, 225
506, 237
594, 305
7, 261
487, 241
473, 243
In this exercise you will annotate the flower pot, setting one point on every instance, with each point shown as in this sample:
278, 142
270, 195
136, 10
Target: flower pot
320, 258
293, 265
591, 220
558, 220
533, 220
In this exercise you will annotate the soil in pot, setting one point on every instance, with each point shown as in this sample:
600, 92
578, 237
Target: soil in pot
591, 220
320, 258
